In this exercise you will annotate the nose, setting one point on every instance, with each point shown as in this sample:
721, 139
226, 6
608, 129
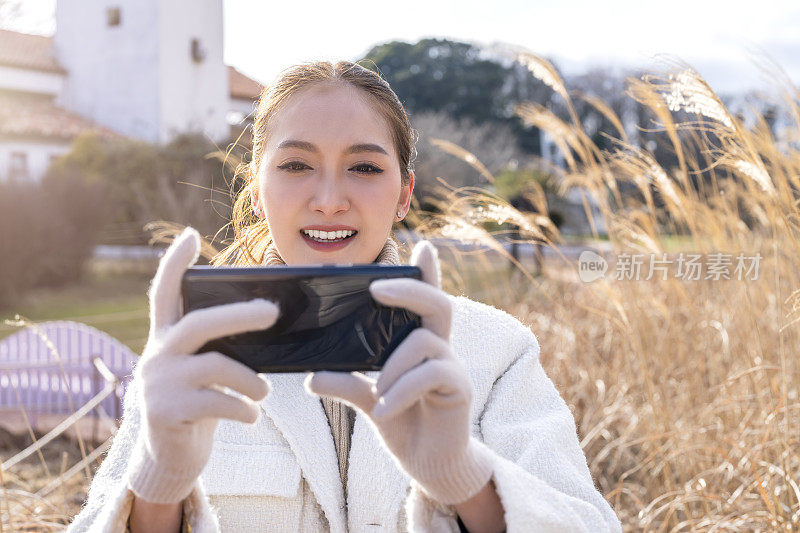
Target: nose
330, 197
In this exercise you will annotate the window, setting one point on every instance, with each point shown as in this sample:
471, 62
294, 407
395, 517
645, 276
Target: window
198, 51
113, 16
18, 167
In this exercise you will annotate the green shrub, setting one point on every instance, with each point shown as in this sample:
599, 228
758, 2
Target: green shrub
178, 182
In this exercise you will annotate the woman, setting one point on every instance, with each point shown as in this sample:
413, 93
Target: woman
461, 430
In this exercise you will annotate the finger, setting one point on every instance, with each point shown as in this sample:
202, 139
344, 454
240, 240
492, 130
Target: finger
209, 403
430, 303
198, 327
165, 288
426, 257
214, 368
433, 375
421, 344
353, 388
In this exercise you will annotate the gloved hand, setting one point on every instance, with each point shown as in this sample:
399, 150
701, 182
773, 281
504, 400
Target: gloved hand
420, 403
180, 393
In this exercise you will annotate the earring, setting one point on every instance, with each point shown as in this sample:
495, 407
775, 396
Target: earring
399, 214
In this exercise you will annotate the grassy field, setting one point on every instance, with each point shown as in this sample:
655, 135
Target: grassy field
112, 302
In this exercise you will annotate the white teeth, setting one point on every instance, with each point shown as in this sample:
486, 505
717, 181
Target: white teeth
328, 235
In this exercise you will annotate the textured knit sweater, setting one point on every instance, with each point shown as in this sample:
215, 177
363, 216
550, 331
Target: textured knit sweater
283, 474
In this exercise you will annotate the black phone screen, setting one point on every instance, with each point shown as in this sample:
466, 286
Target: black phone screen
328, 319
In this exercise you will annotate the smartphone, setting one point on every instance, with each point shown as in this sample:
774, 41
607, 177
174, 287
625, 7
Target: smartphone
328, 319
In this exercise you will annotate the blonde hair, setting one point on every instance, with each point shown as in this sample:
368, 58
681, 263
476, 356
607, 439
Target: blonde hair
251, 233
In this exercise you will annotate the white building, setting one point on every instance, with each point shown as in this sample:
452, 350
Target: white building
146, 69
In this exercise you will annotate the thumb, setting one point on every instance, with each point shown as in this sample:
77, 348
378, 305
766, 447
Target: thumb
165, 288
353, 388
426, 257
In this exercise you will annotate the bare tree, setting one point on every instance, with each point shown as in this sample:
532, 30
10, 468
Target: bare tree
493, 145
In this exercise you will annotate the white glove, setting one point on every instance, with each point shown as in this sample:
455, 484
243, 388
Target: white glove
420, 403
180, 393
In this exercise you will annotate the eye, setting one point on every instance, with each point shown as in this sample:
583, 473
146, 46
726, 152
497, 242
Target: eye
293, 166
366, 168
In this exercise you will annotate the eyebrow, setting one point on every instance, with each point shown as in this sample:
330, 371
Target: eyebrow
353, 149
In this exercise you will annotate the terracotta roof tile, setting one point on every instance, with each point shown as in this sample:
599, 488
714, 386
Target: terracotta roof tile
242, 86
33, 52
26, 115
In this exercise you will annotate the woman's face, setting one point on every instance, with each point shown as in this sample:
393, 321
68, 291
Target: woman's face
330, 164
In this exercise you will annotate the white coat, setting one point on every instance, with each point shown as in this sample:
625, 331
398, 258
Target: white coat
281, 474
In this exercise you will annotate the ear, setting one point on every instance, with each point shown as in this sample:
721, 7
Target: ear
253, 188
406, 194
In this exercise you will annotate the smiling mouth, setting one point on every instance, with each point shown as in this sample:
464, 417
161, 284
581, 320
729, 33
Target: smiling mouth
328, 236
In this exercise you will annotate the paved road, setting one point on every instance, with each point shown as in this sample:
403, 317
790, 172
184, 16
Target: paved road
526, 250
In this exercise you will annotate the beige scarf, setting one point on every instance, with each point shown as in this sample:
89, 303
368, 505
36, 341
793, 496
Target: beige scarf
341, 417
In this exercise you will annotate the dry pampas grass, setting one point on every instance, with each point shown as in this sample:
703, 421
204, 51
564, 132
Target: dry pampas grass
686, 393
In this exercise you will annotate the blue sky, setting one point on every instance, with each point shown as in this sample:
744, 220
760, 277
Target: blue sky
717, 37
